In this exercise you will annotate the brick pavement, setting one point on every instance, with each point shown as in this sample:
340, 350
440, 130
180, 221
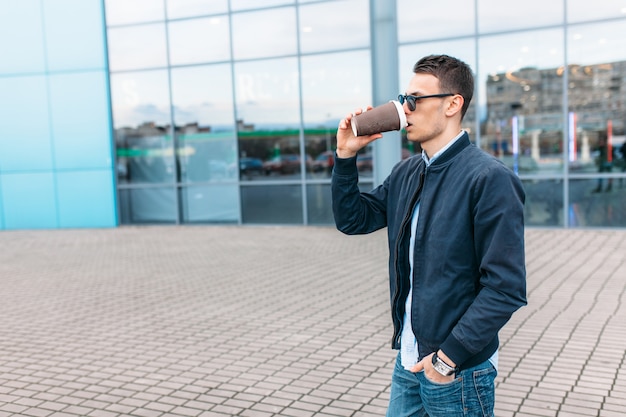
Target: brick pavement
278, 321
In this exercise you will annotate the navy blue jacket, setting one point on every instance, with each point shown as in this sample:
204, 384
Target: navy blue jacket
469, 266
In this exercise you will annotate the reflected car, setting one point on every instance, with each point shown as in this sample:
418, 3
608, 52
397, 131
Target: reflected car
282, 164
249, 167
324, 162
365, 162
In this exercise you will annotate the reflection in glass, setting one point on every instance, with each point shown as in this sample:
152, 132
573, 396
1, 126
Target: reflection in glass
141, 115
122, 12
255, 4
544, 202
596, 96
332, 86
598, 202
334, 25
210, 204
430, 19
494, 17
272, 204
268, 115
264, 33
199, 40
137, 47
319, 202
583, 10
188, 8
204, 120
147, 205
522, 107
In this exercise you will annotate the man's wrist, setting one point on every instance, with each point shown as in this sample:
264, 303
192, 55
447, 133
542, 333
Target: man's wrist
441, 355
344, 154
442, 367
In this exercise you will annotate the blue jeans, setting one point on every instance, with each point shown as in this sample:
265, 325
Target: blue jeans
471, 394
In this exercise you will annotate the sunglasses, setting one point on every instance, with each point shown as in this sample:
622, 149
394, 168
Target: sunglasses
411, 100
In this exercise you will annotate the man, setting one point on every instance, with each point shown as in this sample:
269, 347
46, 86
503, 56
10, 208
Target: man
454, 218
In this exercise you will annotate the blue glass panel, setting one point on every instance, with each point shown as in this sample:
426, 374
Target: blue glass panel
24, 124
29, 201
20, 21
1, 206
74, 40
80, 121
86, 199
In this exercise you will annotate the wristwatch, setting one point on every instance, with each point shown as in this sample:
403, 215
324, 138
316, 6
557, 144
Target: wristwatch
442, 367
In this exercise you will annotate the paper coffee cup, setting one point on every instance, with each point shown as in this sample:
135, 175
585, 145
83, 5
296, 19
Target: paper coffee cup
384, 118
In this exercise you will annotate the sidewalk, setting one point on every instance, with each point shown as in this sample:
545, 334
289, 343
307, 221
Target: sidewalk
278, 321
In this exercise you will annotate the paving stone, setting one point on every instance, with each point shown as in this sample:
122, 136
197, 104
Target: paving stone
218, 321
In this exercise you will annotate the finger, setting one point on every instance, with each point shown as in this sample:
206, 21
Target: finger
419, 367
357, 111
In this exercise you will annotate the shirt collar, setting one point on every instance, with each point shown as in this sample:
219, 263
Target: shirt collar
442, 150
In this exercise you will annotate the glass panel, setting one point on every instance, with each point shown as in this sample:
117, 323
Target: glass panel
85, 198
137, 47
210, 204
268, 116
25, 141
275, 204
581, 10
334, 25
80, 122
319, 202
493, 17
264, 34
254, 4
522, 100
544, 202
432, 20
597, 202
28, 201
187, 8
596, 97
205, 122
332, 86
120, 12
65, 50
464, 50
147, 205
22, 38
199, 40
141, 118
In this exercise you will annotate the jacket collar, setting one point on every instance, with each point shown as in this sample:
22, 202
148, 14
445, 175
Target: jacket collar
456, 148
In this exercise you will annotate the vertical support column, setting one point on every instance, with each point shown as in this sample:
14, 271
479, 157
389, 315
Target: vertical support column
385, 80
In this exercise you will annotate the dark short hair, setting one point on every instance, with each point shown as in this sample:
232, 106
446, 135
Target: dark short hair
454, 76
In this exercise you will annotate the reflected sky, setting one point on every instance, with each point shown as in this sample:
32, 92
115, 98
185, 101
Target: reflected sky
188, 8
262, 69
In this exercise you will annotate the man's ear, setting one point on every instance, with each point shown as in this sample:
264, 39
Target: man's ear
455, 105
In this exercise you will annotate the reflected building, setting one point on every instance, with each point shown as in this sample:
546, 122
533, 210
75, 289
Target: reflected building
225, 111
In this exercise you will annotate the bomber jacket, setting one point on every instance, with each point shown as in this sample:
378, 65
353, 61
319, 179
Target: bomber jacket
469, 264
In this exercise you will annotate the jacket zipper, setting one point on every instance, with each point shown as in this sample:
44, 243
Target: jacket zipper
396, 296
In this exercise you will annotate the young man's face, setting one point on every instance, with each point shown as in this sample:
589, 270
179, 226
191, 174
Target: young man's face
428, 120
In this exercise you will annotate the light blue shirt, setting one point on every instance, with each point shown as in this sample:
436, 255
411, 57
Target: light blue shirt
408, 344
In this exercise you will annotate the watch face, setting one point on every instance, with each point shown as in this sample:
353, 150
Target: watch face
442, 368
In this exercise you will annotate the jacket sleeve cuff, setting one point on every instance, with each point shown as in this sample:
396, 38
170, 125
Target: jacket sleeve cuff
455, 350
345, 166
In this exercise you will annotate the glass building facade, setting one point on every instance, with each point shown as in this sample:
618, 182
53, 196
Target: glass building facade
225, 111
